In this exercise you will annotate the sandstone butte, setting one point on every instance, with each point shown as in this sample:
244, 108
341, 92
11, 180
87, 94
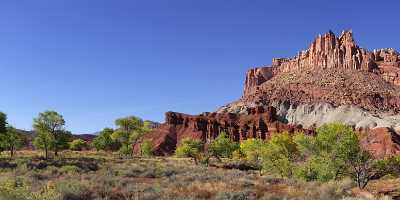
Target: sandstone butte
333, 80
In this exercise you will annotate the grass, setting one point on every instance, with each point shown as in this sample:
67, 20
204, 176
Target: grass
93, 175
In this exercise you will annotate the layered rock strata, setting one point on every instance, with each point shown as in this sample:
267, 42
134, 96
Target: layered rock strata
259, 123
330, 52
334, 80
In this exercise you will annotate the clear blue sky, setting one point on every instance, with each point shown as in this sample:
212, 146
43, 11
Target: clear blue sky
94, 61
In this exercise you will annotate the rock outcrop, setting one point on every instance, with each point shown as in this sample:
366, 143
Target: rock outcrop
332, 70
333, 80
381, 142
259, 123
329, 51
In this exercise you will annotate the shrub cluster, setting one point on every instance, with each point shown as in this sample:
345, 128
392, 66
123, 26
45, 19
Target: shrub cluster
334, 153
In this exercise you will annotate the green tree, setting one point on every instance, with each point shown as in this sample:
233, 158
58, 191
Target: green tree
78, 145
3, 123
252, 148
336, 152
146, 148
326, 154
130, 130
43, 141
105, 142
280, 154
222, 146
49, 126
3, 126
189, 148
61, 141
361, 166
11, 140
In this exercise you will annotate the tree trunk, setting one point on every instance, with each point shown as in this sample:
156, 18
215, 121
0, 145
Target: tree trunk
45, 152
12, 152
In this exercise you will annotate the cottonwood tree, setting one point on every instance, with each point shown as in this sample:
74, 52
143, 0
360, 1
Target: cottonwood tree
130, 130
3, 122
51, 135
3, 126
104, 141
10, 140
78, 145
280, 154
146, 148
222, 147
190, 148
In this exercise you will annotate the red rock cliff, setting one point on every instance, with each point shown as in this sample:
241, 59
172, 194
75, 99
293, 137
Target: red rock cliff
329, 51
259, 123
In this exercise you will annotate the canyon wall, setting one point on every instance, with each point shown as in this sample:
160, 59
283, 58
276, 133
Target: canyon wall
258, 123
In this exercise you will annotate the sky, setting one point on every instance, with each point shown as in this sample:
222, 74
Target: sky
97, 60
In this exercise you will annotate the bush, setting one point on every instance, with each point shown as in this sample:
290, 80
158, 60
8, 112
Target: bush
105, 142
280, 154
252, 148
389, 166
13, 189
305, 144
222, 146
237, 154
73, 190
66, 169
125, 150
146, 148
78, 145
189, 148
316, 168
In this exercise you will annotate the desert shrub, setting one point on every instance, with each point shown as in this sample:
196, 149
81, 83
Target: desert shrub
252, 148
280, 154
73, 190
16, 189
333, 189
78, 145
13, 189
69, 169
222, 146
125, 150
389, 166
237, 154
149, 171
146, 148
243, 195
189, 148
102, 184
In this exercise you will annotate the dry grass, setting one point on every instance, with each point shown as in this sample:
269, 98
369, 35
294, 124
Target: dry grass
92, 175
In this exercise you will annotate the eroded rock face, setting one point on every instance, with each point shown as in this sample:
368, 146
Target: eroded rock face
329, 51
381, 142
259, 123
333, 80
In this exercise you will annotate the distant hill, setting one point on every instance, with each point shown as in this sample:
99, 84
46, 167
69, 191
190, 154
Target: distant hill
29, 135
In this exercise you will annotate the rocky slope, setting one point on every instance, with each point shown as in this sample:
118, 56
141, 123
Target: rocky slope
333, 80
